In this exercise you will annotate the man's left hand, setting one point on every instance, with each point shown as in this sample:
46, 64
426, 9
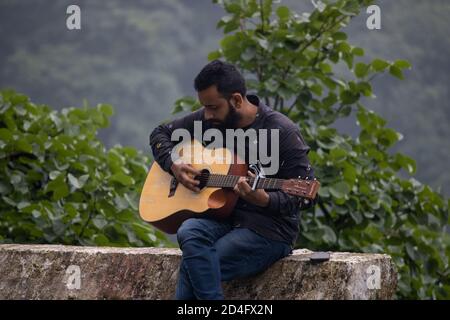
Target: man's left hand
257, 197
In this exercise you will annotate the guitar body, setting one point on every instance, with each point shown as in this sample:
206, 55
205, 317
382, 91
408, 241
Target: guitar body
167, 211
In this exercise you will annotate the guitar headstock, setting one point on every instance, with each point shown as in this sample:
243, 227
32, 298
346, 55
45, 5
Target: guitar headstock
301, 187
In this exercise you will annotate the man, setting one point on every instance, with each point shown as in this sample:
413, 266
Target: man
264, 225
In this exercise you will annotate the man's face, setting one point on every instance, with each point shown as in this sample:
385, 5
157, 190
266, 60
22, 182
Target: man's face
218, 111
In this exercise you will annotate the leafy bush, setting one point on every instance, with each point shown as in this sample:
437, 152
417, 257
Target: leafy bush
290, 61
60, 185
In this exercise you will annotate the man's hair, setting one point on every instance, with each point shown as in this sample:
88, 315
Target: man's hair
225, 76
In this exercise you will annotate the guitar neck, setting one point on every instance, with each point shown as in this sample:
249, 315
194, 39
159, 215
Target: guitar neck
229, 181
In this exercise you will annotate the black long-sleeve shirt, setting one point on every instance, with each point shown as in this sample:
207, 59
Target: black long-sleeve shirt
280, 220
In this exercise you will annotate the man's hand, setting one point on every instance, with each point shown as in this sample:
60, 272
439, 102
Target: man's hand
184, 173
258, 197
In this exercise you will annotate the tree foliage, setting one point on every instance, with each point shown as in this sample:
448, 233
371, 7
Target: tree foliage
303, 65
60, 185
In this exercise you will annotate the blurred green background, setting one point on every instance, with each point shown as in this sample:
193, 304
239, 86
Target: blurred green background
141, 56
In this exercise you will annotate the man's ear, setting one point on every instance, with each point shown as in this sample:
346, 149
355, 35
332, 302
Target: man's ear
237, 99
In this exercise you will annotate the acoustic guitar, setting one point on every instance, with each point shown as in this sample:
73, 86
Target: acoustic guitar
165, 203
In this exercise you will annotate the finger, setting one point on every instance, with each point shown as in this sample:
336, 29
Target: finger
245, 187
192, 170
251, 174
189, 180
243, 181
236, 189
192, 187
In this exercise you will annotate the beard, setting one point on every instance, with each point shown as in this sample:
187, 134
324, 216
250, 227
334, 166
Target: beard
230, 121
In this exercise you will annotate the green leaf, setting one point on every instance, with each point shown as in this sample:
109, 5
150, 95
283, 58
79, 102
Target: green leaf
231, 26
356, 216
325, 67
214, 55
406, 162
379, 65
388, 137
349, 173
402, 64
60, 190
99, 222
305, 97
339, 190
106, 109
9, 201
263, 43
23, 145
233, 8
283, 12
338, 154
339, 36
397, 72
122, 178
361, 70
329, 234
365, 88
271, 85
54, 174
316, 89
324, 192
16, 178
248, 54
358, 51
345, 48
411, 251
5, 135
101, 240
348, 97
77, 183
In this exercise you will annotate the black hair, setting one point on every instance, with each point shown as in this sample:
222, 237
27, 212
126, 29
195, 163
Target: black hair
224, 75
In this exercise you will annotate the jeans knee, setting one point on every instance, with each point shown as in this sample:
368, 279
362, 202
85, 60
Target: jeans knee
188, 230
203, 231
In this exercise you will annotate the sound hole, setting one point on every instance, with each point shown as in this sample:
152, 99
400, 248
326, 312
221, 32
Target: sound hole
203, 178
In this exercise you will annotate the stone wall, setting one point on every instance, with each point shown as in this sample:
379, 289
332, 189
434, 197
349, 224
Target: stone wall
69, 272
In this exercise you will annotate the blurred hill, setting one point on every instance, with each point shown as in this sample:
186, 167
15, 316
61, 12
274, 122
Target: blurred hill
141, 56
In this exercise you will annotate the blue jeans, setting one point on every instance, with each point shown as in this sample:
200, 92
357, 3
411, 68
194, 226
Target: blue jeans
216, 251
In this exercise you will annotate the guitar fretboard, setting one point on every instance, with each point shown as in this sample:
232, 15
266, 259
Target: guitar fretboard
229, 181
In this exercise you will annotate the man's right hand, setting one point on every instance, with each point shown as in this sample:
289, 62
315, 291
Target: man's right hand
184, 173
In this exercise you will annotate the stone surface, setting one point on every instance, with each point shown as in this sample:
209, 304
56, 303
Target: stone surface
42, 272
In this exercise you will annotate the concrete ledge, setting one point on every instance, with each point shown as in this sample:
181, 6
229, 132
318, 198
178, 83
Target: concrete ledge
44, 272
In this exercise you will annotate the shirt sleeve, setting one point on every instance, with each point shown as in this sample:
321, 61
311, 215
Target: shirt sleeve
294, 163
161, 142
